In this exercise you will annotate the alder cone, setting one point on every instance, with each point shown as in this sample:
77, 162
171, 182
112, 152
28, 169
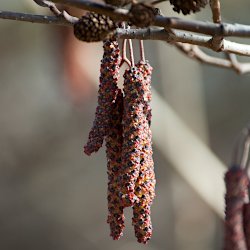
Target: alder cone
118, 3
187, 6
142, 15
93, 27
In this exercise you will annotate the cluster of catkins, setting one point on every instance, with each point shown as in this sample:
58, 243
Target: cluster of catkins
123, 120
237, 211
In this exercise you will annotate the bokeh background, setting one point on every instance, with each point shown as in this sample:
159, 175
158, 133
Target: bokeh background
53, 197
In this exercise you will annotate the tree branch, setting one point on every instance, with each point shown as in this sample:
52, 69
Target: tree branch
174, 24
206, 28
183, 37
195, 53
34, 18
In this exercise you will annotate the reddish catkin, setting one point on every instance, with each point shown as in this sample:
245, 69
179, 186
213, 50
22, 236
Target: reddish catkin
236, 181
145, 191
246, 214
114, 141
145, 184
146, 70
133, 133
106, 95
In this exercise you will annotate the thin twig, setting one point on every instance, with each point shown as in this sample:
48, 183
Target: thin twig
34, 18
124, 54
142, 52
194, 52
131, 52
215, 7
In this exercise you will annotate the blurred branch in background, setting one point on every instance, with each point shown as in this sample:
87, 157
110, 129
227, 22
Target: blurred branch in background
191, 158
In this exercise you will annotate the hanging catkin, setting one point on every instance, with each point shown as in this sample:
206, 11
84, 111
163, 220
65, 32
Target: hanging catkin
133, 133
236, 180
114, 141
106, 95
146, 71
145, 184
246, 214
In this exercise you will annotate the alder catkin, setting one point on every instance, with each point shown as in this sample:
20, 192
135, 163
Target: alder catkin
187, 6
246, 223
106, 95
114, 141
146, 70
236, 181
145, 183
133, 133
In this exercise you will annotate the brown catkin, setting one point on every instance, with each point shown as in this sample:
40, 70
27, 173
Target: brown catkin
145, 192
145, 184
133, 133
146, 70
187, 6
246, 215
236, 180
106, 95
114, 141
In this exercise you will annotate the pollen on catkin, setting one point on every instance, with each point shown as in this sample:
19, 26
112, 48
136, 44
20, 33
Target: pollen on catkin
114, 141
145, 183
145, 191
246, 223
109, 74
187, 6
93, 27
133, 133
236, 181
146, 70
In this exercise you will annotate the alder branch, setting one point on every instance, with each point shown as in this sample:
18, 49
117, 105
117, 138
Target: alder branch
201, 27
57, 20
195, 53
183, 37
177, 37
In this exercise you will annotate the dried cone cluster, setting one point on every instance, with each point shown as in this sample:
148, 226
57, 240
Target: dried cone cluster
93, 27
187, 6
237, 212
124, 123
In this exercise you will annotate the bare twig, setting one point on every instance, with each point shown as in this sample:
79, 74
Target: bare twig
34, 18
124, 54
131, 52
215, 7
142, 52
183, 37
194, 52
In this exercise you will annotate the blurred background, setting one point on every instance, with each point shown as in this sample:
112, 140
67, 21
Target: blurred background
53, 197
